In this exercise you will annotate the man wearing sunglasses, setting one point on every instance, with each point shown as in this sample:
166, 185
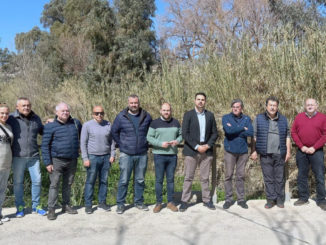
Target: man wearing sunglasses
98, 152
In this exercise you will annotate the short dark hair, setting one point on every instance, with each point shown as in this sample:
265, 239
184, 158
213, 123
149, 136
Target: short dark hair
200, 93
237, 101
272, 98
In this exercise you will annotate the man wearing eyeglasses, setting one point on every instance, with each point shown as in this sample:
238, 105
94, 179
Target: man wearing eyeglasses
98, 153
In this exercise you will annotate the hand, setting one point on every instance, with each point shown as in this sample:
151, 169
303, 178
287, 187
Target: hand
174, 142
112, 159
49, 168
245, 128
254, 156
287, 157
304, 149
49, 120
87, 163
310, 150
202, 148
229, 124
165, 144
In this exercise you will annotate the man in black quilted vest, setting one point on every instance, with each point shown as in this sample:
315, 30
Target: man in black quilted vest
272, 142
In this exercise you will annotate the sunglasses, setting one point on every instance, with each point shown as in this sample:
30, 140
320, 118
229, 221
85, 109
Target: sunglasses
98, 113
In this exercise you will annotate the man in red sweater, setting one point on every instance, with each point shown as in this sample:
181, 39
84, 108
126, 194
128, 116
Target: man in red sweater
309, 134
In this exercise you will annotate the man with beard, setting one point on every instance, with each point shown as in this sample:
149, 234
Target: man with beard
164, 135
200, 133
309, 134
272, 141
129, 131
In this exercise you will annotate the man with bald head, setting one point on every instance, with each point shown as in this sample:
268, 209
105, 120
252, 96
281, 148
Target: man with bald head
309, 134
98, 152
60, 150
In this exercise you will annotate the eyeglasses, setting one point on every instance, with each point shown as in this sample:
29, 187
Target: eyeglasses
98, 113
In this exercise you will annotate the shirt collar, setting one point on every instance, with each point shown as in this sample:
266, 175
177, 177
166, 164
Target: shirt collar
315, 113
273, 119
200, 113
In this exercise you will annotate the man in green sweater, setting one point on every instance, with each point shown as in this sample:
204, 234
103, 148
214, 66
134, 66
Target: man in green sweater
164, 135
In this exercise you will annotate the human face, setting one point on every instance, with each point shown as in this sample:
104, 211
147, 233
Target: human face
98, 113
24, 107
166, 111
63, 113
4, 114
236, 109
200, 102
133, 105
311, 106
272, 108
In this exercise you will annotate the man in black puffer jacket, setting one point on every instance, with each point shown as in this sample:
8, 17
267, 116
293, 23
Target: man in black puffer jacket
129, 131
60, 150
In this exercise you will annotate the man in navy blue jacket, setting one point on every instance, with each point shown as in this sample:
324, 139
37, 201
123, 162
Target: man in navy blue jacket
237, 127
129, 131
60, 150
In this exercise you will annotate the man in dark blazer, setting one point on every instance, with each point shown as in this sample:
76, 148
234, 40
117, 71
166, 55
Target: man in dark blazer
200, 133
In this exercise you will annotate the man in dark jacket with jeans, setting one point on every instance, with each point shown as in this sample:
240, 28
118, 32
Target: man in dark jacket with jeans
60, 150
26, 126
129, 131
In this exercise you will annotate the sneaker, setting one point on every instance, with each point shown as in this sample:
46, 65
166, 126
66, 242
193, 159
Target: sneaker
88, 210
227, 205
141, 206
172, 207
120, 209
280, 204
183, 207
39, 210
68, 209
104, 207
300, 202
20, 212
4, 218
157, 208
243, 204
51, 214
209, 205
269, 204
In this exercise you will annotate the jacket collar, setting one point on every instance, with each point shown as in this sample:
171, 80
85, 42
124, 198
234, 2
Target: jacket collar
16, 114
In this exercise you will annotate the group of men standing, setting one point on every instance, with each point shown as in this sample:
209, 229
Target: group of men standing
131, 131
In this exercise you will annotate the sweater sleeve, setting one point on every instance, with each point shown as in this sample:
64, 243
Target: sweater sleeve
151, 138
230, 128
294, 133
84, 142
322, 140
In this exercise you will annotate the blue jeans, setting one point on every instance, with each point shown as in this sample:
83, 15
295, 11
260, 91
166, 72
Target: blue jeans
19, 165
100, 165
316, 161
127, 164
164, 164
4, 175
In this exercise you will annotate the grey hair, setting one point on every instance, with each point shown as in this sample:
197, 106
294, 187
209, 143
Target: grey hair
237, 101
61, 104
133, 96
22, 98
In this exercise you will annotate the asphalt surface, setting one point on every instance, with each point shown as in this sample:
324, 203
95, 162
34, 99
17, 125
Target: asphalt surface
198, 225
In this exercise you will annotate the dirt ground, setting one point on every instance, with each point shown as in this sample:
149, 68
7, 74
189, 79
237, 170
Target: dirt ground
198, 225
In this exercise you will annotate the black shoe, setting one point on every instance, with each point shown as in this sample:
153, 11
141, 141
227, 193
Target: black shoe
88, 210
141, 206
120, 209
183, 207
227, 205
269, 204
300, 202
209, 205
280, 204
104, 207
68, 209
243, 204
51, 214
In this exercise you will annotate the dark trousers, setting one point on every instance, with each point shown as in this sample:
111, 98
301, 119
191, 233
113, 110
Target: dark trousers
316, 161
232, 161
164, 164
67, 169
273, 171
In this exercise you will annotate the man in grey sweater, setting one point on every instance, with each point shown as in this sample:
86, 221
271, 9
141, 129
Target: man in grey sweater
98, 152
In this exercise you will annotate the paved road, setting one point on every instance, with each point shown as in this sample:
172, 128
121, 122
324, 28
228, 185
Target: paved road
198, 225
